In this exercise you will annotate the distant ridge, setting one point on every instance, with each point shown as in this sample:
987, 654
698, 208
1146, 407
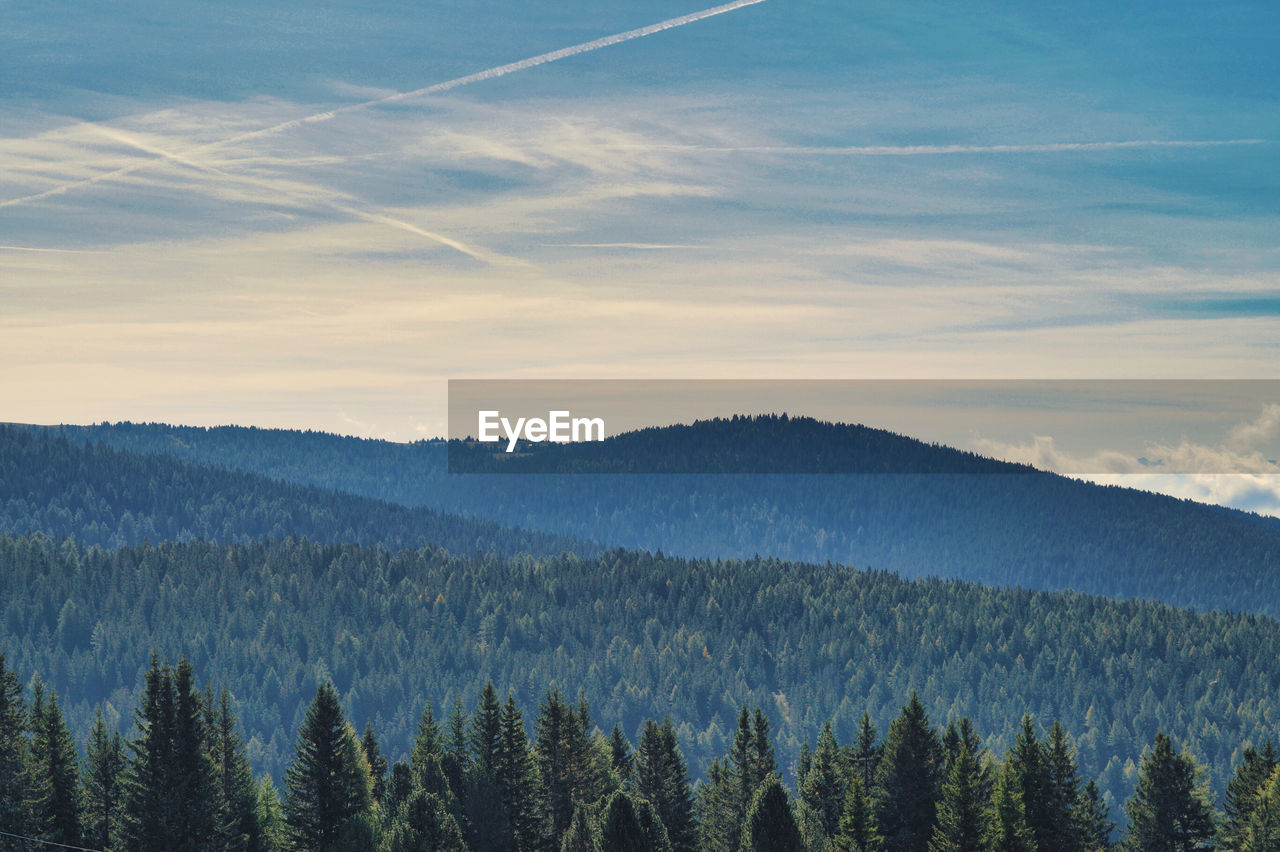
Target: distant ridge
1034, 531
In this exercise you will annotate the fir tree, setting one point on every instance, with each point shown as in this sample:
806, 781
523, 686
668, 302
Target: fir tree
620, 829
192, 771
561, 746
151, 794
1170, 810
662, 779
1007, 829
58, 808
770, 824
864, 754
518, 779
329, 799
1061, 829
104, 770
1027, 757
1246, 784
237, 820
823, 787
1093, 820
858, 830
376, 760
14, 812
963, 812
719, 829
582, 835
423, 824
620, 754
1262, 828
908, 780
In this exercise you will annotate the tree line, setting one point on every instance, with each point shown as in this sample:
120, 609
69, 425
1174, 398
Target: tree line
480, 779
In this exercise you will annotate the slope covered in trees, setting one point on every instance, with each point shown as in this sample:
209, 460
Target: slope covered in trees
1037, 531
108, 497
642, 635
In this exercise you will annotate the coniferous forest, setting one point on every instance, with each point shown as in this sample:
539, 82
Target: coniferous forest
205, 650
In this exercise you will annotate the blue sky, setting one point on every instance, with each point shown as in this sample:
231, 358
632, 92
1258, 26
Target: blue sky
788, 190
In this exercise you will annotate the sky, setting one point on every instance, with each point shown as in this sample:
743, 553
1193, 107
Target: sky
225, 213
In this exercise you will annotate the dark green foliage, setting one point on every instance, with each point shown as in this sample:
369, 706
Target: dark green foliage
662, 779
964, 810
58, 808
1262, 829
1030, 531
770, 825
1251, 775
858, 830
330, 794
103, 775
631, 825
377, 762
823, 787
1093, 819
1007, 829
909, 780
620, 757
863, 755
423, 824
582, 835
15, 815
518, 781
561, 747
237, 817
1170, 810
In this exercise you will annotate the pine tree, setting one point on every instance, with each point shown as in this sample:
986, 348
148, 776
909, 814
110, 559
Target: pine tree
560, 746
864, 755
151, 802
423, 824
963, 812
1262, 827
770, 824
582, 835
1243, 789
1061, 828
620, 754
376, 760
662, 779
14, 812
329, 799
858, 830
1170, 810
1093, 820
1027, 757
518, 779
1007, 829
908, 780
104, 770
823, 788
58, 809
238, 826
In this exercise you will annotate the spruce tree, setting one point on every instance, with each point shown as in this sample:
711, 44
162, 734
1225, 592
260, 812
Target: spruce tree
1170, 810
1007, 829
1093, 819
1262, 827
151, 801
59, 813
662, 779
620, 754
858, 830
1254, 771
963, 812
1028, 759
104, 770
423, 824
719, 829
770, 824
238, 826
518, 779
1061, 829
909, 780
620, 829
864, 754
823, 787
561, 747
765, 764
329, 800
192, 771
582, 835
14, 811
376, 760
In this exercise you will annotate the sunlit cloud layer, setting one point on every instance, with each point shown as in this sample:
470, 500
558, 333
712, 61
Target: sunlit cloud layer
203, 220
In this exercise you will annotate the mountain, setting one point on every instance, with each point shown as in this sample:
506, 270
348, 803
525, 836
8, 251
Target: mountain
108, 497
641, 635
1003, 526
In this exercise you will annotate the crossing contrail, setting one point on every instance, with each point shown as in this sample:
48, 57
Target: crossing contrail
479, 76
940, 150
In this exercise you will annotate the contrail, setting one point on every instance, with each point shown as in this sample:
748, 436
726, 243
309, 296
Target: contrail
489, 74
937, 150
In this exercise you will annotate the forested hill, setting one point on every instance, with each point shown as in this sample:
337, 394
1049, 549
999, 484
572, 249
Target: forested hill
642, 636
1037, 531
109, 497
